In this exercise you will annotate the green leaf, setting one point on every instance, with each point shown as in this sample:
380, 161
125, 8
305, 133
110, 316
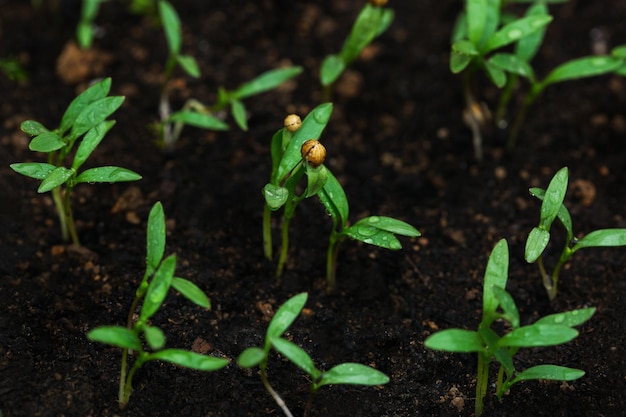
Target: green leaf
368, 24
108, 174
455, 340
251, 357
553, 198
508, 305
373, 236
563, 214
513, 64
284, 317
36, 170
459, 31
535, 244
537, 335
155, 238
275, 196
476, 20
238, 110
46, 142
158, 288
188, 359
617, 52
316, 178
584, 67
55, 178
516, 30
93, 93
171, 26
496, 275
118, 336
354, 374
332, 67
549, 372
569, 318
265, 82
189, 65
191, 291
90, 142
334, 199
296, 355
154, 337
526, 48
95, 113
312, 127
458, 62
392, 225
201, 120
33, 127
602, 238
497, 76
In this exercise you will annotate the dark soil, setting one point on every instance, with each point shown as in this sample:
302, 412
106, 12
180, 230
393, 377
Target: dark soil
396, 142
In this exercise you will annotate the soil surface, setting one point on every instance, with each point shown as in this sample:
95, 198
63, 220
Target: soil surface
397, 143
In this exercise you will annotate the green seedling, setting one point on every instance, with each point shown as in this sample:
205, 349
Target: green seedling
154, 287
498, 305
294, 155
345, 373
12, 69
552, 207
372, 21
86, 29
84, 121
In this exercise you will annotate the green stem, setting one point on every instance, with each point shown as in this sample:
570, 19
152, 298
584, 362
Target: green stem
69, 216
128, 387
267, 232
505, 98
58, 203
482, 378
121, 396
309, 403
548, 282
331, 259
284, 248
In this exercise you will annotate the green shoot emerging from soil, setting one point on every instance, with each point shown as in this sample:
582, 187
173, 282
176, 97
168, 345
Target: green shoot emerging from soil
84, 118
551, 330
552, 207
154, 287
345, 373
371, 22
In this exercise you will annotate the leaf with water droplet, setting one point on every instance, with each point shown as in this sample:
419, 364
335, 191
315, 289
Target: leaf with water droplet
568, 318
275, 196
108, 174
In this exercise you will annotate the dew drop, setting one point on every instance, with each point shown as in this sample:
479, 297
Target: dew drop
514, 34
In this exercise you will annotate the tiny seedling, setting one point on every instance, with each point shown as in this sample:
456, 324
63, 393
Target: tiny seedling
552, 207
372, 21
345, 373
154, 287
86, 29
84, 118
551, 330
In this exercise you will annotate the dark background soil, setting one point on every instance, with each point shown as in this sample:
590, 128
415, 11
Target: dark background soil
397, 144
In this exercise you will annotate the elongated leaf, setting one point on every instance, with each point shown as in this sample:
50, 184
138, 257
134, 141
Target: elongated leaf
201, 120
563, 214
508, 306
458, 62
333, 197
155, 238
332, 67
118, 336
189, 65
36, 170
536, 335
590, 66
171, 26
265, 82
251, 357
108, 174
95, 113
90, 142
549, 372
535, 244
33, 127
284, 317
191, 291
238, 111
188, 359
516, 30
154, 337
392, 225
526, 48
513, 64
497, 76
496, 275
296, 355
455, 340
553, 198
46, 142
569, 318
373, 236
602, 238
93, 93
158, 288
354, 374
476, 20
55, 178
459, 31
367, 26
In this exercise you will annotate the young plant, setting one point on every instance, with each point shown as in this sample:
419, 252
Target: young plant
154, 287
551, 330
86, 30
84, 121
372, 21
345, 373
552, 207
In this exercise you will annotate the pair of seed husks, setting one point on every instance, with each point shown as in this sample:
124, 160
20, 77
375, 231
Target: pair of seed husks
312, 151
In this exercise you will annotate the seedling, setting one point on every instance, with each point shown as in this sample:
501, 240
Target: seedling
552, 207
154, 287
372, 21
84, 119
345, 373
86, 29
551, 330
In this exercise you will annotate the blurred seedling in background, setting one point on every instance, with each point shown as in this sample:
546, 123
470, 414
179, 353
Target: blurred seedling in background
345, 373
552, 207
372, 21
295, 154
157, 280
13, 69
498, 305
83, 122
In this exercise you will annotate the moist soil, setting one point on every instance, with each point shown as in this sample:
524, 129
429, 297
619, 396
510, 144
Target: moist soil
397, 143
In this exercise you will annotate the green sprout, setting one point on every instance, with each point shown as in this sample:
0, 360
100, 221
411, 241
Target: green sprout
552, 207
372, 21
295, 154
551, 330
345, 373
13, 69
154, 287
84, 118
